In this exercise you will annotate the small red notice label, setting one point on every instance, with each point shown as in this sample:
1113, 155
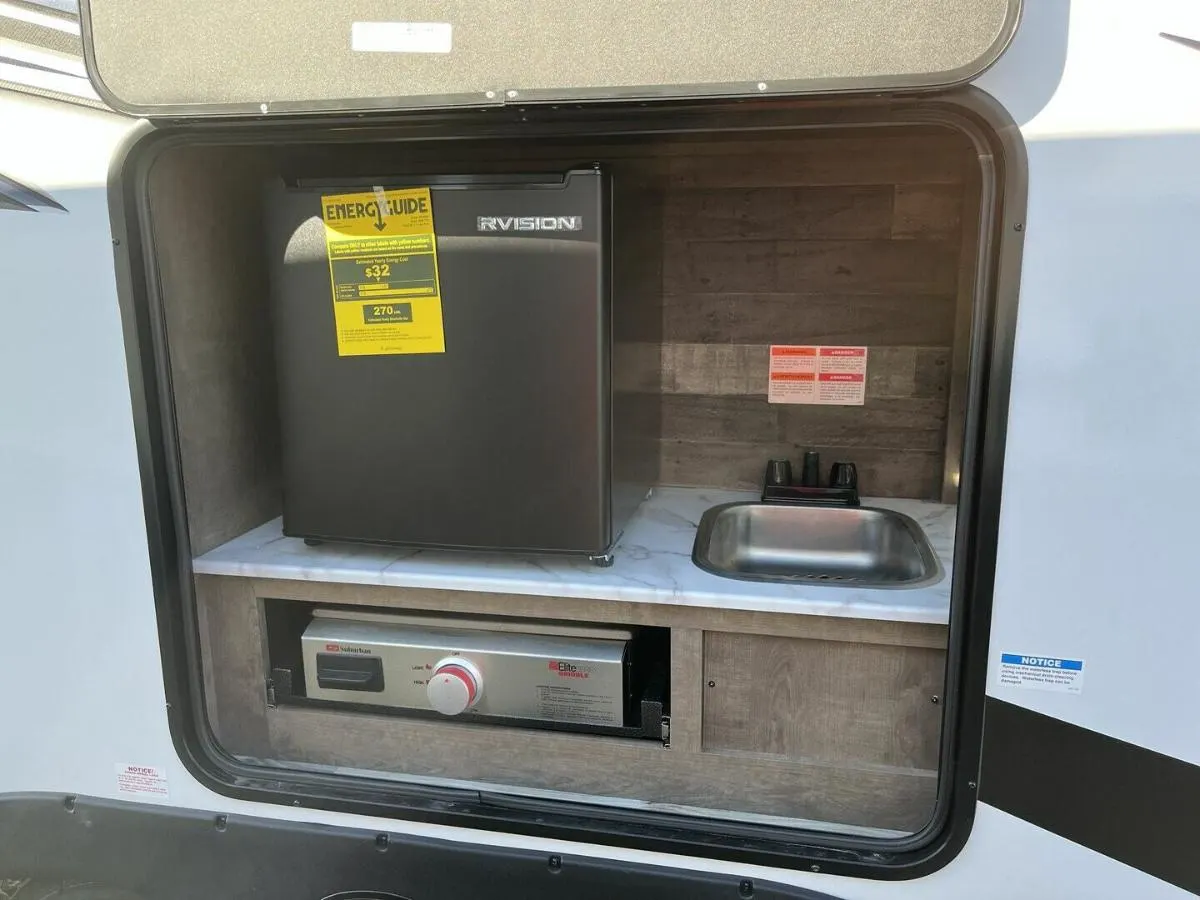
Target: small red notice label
146, 781
834, 376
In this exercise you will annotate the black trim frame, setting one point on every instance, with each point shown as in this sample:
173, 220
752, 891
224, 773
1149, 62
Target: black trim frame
166, 852
1002, 159
1133, 805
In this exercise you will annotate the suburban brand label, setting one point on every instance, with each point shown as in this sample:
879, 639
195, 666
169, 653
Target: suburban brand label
342, 648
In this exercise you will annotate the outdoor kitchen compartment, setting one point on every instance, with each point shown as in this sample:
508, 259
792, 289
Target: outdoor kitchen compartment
849, 191
506, 440
732, 229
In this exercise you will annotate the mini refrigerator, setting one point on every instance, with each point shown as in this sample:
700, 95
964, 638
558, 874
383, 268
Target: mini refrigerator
507, 432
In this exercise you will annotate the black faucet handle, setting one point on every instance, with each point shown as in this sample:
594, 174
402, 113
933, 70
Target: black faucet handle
843, 475
779, 472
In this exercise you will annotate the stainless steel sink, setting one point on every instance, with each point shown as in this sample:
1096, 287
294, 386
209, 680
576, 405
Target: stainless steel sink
847, 546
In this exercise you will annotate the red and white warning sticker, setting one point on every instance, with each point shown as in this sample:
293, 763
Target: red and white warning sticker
833, 376
145, 781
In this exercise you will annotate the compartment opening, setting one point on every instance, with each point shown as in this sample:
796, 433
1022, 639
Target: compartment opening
786, 713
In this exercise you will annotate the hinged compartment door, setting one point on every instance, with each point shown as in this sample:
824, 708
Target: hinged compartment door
180, 57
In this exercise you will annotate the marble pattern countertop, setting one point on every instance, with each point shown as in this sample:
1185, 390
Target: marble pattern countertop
653, 565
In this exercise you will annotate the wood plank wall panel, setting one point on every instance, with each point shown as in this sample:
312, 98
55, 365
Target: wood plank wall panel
851, 240
214, 283
580, 767
575, 609
233, 649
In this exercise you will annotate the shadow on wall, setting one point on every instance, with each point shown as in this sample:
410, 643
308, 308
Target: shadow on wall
1032, 67
1104, 377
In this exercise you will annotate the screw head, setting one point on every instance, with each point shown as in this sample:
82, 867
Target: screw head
762, 85
712, 684
1018, 227
381, 842
935, 699
69, 804
815, 867
221, 822
511, 94
554, 863
262, 107
746, 888
491, 95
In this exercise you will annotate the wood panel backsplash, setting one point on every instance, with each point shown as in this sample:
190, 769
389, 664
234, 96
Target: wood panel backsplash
848, 240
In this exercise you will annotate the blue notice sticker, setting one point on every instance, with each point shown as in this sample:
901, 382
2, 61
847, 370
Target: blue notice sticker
1043, 673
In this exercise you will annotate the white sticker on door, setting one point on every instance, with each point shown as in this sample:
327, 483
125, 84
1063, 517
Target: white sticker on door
1041, 673
829, 376
145, 781
401, 37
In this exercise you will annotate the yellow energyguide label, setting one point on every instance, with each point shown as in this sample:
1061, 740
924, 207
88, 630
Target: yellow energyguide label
383, 268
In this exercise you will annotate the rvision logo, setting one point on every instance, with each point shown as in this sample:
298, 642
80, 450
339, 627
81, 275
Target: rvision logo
529, 223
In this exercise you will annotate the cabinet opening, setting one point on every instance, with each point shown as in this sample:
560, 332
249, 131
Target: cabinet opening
762, 714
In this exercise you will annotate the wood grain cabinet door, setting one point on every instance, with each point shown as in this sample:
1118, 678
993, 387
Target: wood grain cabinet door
830, 701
